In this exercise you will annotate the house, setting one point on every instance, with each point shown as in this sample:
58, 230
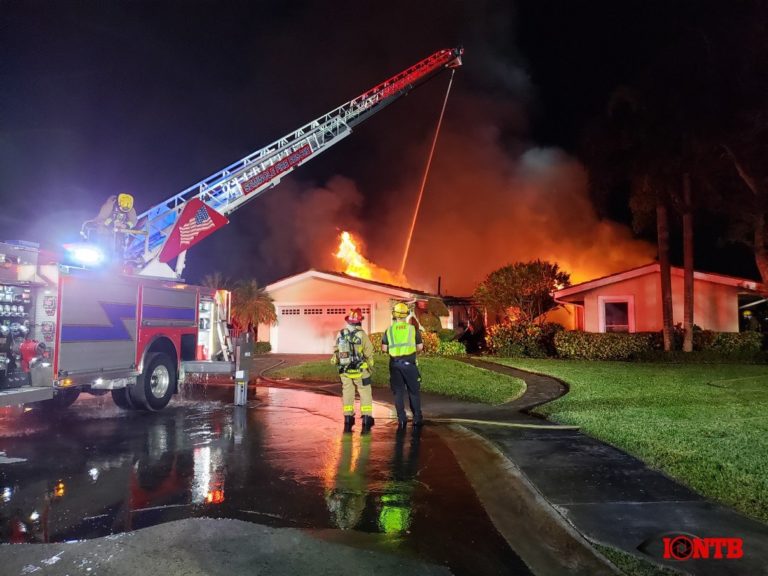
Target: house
630, 301
311, 307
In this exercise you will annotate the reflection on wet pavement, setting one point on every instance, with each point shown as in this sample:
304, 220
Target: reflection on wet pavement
282, 461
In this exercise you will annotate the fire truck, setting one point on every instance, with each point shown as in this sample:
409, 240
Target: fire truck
132, 327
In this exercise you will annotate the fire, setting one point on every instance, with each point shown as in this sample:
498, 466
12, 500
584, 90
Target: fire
352, 262
356, 263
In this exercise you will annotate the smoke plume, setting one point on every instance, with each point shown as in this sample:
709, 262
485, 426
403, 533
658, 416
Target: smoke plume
487, 204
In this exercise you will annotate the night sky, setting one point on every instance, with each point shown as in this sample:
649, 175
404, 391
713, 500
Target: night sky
98, 98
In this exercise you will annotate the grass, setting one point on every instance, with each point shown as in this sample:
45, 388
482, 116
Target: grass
706, 425
631, 565
439, 375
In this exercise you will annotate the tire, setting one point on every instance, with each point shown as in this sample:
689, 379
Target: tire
122, 399
156, 385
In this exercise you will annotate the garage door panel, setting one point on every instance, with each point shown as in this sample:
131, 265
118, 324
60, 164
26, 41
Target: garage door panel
313, 329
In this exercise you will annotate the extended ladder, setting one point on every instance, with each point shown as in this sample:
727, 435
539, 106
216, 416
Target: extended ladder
225, 341
230, 188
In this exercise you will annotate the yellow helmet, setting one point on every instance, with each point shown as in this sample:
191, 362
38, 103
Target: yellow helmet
125, 202
400, 310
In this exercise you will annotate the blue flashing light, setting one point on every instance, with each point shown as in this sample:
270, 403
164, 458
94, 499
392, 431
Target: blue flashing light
87, 255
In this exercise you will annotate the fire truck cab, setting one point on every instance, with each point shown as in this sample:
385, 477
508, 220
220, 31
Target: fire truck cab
65, 330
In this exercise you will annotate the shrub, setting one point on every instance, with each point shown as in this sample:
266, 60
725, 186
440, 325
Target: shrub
262, 347
707, 340
428, 321
450, 348
430, 339
376, 341
599, 346
737, 342
431, 342
447, 335
703, 339
522, 339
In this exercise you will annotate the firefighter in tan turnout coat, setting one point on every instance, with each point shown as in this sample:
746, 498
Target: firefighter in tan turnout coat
353, 356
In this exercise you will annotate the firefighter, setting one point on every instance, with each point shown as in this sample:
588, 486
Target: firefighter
401, 341
116, 217
353, 356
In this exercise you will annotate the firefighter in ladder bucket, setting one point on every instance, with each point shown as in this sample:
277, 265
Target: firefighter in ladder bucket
117, 218
401, 341
353, 356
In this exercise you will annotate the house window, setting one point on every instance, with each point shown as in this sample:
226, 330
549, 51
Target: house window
312, 311
290, 311
617, 314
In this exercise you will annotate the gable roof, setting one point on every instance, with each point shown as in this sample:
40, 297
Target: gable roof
346, 279
652, 268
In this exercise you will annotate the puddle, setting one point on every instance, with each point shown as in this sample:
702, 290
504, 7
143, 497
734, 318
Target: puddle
283, 461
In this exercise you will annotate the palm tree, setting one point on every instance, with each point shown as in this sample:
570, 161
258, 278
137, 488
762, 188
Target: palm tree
631, 146
251, 306
216, 280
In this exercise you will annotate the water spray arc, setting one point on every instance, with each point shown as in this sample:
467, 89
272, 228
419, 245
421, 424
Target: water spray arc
424, 179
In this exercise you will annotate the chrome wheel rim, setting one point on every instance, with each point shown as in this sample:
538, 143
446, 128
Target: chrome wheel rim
159, 381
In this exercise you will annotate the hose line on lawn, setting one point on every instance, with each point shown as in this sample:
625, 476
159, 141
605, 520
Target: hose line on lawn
504, 424
262, 375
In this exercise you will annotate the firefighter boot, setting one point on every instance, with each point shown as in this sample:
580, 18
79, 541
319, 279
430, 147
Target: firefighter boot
349, 421
367, 422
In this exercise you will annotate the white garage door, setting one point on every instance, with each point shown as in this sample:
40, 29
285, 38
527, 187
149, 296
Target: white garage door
313, 329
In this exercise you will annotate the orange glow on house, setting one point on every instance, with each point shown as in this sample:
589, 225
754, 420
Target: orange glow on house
352, 262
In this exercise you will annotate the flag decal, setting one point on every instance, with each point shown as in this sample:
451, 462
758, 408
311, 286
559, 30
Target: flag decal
199, 223
196, 221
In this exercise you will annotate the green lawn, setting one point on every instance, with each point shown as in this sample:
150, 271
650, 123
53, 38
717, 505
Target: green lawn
706, 425
439, 375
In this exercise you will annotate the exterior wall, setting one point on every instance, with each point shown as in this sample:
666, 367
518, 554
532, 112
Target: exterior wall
311, 332
319, 291
565, 315
715, 305
644, 290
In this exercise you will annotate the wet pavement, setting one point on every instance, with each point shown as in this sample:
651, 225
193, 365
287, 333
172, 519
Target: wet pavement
283, 461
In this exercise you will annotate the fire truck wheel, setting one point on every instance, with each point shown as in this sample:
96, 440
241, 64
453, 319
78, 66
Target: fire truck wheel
122, 399
156, 385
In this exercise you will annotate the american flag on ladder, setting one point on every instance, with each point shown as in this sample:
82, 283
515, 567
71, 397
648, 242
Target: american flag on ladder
198, 223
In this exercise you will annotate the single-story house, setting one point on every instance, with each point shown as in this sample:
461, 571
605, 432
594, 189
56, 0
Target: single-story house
311, 307
630, 301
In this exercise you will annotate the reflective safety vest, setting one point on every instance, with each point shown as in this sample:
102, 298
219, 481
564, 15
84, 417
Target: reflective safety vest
401, 339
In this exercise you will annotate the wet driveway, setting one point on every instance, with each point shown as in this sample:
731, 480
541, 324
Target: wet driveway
283, 462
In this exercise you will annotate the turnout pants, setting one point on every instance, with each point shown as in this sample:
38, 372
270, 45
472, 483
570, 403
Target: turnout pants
348, 385
404, 378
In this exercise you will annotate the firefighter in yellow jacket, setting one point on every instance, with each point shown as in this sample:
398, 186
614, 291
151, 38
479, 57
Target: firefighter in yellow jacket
402, 341
353, 356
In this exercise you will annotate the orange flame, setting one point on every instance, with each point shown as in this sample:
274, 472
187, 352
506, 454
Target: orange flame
352, 262
355, 263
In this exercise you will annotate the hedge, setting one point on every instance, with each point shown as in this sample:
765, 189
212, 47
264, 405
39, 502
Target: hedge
450, 349
603, 346
704, 340
522, 339
262, 347
447, 335
433, 346
648, 345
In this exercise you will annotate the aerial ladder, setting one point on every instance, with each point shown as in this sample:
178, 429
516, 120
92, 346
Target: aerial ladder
240, 182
